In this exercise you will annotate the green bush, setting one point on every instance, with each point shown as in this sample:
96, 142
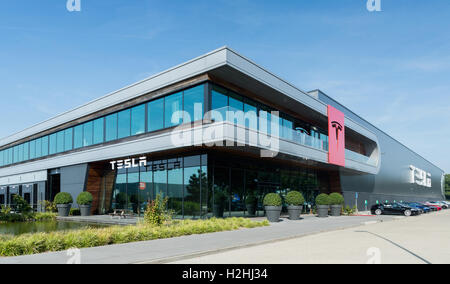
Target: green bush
59, 241
272, 199
336, 199
85, 198
21, 204
156, 213
63, 198
323, 199
295, 198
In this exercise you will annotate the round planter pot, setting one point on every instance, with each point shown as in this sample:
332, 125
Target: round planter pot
273, 213
251, 209
218, 210
64, 209
322, 211
336, 210
85, 210
294, 212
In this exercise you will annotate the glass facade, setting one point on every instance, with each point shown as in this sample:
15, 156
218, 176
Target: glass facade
129, 122
159, 114
241, 184
183, 180
290, 128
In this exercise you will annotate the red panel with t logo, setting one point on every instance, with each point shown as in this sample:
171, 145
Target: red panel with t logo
336, 133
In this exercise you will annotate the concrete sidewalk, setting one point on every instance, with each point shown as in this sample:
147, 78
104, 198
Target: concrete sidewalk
417, 240
167, 250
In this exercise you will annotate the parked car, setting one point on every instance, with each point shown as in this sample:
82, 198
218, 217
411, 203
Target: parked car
425, 209
433, 208
394, 209
441, 204
417, 205
439, 208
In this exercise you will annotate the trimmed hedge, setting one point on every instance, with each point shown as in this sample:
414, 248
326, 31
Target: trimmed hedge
336, 199
85, 198
272, 199
323, 199
59, 241
295, 198
63, 198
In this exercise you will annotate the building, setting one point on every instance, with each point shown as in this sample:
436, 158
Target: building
160, 136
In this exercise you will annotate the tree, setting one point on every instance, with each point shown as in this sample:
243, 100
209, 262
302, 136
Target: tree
447, 183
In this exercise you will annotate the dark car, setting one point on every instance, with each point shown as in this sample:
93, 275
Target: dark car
394, 209
425, 209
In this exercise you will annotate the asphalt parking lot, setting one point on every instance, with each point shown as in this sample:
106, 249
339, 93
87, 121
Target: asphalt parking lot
414, 240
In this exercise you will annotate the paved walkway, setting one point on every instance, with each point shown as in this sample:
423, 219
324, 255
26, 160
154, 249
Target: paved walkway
415, 240
167, 250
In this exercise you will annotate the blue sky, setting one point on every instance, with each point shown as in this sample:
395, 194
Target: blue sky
391, 67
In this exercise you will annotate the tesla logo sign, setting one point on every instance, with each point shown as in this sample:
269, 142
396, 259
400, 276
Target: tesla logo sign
336, 133
129, 163
420, 177
339, 128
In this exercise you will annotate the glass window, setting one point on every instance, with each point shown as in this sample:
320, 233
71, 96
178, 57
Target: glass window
52, 143
133, 191
173, 104
156, 115
287, 129
1, 159
99, 131
15, 154
138, 120
192, 192
60, 142
124, 123
32, 149
68, 136
87, 134
175, 190
160, 177
251, 115
192, 97
38, 148
120, 198
45, 145
20, 153
111, 127
26, 151
78, 137
219, 102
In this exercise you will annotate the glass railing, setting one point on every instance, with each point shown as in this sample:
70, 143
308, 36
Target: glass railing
290, 134
359, 158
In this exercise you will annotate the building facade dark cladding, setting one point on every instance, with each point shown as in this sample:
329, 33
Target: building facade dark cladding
209, 134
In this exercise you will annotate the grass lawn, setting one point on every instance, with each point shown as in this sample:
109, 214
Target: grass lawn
85, 238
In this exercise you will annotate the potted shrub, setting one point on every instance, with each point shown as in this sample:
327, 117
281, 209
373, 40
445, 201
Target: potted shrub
336, 202
251, 203
323, 205
84, 201
272, 205
294, 200
63, 201
219, 203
